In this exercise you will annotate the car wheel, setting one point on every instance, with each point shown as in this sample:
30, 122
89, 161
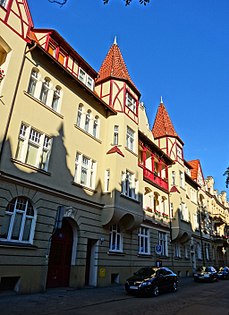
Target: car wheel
175, 286
155, 291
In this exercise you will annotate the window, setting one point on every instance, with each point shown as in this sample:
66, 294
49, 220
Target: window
33, 82
44, 91
107, 180
173, 178
195, 221
186, 251
87, 121
130, 139
82, 75
129, 185
199, 251
115, 141
34, 148
177, 250
115, 241
95, 127
184, 212
207, 251
79, 115
131, 103
179, 154
162, 240
85, 170
19, 221
182, 185
86, 79
3, 3
56, 98
143, 240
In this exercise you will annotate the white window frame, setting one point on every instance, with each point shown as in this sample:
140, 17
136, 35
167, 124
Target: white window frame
95, 129
130, 135
144, 240
3, 3
163, 241
56, 99
86, 79
115, 240
177, 250
129, 185
79, 116
107, 180
20, 208
45, 88
85, 171
33, 82
31, 138
131, 103
116, 134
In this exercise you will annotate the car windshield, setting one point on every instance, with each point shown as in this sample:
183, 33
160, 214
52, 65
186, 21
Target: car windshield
145, 272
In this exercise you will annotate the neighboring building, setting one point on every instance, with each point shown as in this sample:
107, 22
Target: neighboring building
88, 193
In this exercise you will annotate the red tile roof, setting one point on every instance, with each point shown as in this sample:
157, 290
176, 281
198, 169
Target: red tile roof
114, 66
194, 171
163, 125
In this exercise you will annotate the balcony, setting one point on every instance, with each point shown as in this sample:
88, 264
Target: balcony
154, 178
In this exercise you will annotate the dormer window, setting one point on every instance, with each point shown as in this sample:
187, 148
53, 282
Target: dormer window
131, 103
86, 79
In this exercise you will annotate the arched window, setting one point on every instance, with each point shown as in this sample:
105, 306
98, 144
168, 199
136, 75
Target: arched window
33, 81
79, 115
96, 127
44, 90
87, 121
56, 98
19, 221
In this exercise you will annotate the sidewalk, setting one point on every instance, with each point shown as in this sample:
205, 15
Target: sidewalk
54, 300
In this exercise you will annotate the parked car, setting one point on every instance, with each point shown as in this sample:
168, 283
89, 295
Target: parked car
151, 281
223, 273
205, 274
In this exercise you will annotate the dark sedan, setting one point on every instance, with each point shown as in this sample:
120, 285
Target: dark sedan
151, 281
223, 273
205, 274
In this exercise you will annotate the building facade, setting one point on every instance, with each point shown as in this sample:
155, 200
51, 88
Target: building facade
88, 191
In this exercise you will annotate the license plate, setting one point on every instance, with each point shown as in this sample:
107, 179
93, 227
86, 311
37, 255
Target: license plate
133, 287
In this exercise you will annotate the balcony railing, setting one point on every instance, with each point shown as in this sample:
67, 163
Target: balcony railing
154, 178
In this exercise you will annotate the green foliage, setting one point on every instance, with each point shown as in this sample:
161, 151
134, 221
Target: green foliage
226, 173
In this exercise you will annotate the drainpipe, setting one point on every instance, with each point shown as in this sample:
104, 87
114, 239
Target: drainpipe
13, 101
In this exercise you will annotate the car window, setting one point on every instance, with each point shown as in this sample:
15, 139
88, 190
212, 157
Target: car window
145, 272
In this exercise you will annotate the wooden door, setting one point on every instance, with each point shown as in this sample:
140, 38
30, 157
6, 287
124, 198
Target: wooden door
60, 257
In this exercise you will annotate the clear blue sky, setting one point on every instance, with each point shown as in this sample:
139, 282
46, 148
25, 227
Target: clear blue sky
175, 48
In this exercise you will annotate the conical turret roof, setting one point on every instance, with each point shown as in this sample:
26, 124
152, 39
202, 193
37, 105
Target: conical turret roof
163, 125
114, 66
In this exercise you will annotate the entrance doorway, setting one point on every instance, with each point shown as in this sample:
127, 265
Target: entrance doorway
91, 265
60, 257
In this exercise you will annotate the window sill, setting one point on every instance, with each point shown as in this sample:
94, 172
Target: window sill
11, 244
114, 253
44, 105
31, 167
88, 134
84, 187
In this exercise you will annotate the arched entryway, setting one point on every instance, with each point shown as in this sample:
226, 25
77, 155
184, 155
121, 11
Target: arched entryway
60, 256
